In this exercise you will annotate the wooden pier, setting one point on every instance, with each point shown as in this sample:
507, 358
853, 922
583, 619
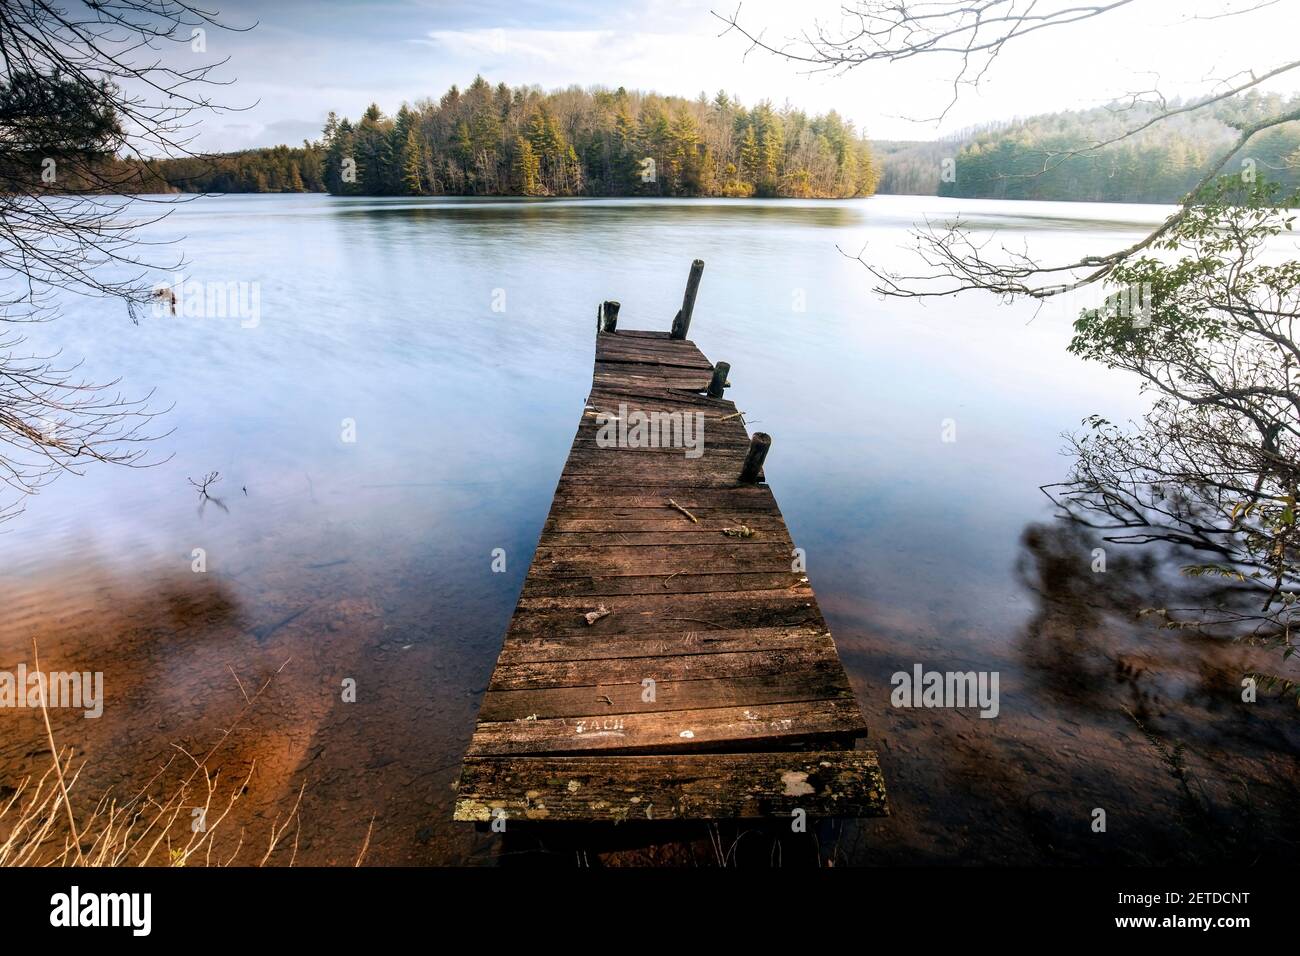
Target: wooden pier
667, 658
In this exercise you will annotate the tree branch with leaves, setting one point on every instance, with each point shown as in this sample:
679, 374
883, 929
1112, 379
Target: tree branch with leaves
1211, 470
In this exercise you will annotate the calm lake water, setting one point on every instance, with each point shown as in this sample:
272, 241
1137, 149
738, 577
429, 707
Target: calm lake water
457, 336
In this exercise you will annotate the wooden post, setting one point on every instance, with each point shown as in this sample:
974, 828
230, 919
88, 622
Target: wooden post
753, 467
719, 381
682, 322
609, 316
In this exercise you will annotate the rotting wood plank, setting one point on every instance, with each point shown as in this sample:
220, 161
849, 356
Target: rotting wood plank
808, 683
658, 398
628, 559
559, 645
641, 580
673, 787
712, 524
634, 669
771, 726
615, 357
600, 539
657, 506
645, 614
671, 583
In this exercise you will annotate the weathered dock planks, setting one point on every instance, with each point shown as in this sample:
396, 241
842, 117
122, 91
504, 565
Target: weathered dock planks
665, 660
684, 787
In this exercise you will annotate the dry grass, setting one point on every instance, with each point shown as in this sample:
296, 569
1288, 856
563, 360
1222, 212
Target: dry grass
176, 827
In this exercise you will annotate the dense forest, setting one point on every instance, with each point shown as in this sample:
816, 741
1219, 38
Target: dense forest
1037, 158
497, 140
278, 169
501, 141
275, 169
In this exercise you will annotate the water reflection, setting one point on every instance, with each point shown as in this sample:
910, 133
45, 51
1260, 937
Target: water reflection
560, 211
1072, 644
371, 560
1228, 766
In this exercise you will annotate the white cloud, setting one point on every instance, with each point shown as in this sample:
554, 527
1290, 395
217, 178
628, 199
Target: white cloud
524, 46
306, 60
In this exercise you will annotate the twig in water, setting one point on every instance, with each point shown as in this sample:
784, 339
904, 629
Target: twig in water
211, 478
208, 480
365, 846
237, 681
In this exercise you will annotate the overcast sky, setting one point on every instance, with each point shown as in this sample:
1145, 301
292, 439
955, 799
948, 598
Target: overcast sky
306, 57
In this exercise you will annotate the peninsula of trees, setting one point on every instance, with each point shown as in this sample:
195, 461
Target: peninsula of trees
494, 140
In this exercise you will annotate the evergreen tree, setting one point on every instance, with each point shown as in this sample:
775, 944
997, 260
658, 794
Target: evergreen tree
528, 169
412, 165
751, 162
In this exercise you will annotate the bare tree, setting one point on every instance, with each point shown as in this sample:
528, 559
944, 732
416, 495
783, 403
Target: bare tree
971, 34
91, 94
51, 421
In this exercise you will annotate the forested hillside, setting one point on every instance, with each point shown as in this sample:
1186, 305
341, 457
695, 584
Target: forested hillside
1037, 158
911, 167
497, 140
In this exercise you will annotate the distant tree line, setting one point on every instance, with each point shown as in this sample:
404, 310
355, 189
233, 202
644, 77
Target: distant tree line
278, 169
497, 140
521, 141
1035, 158
274, 169
911, 168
